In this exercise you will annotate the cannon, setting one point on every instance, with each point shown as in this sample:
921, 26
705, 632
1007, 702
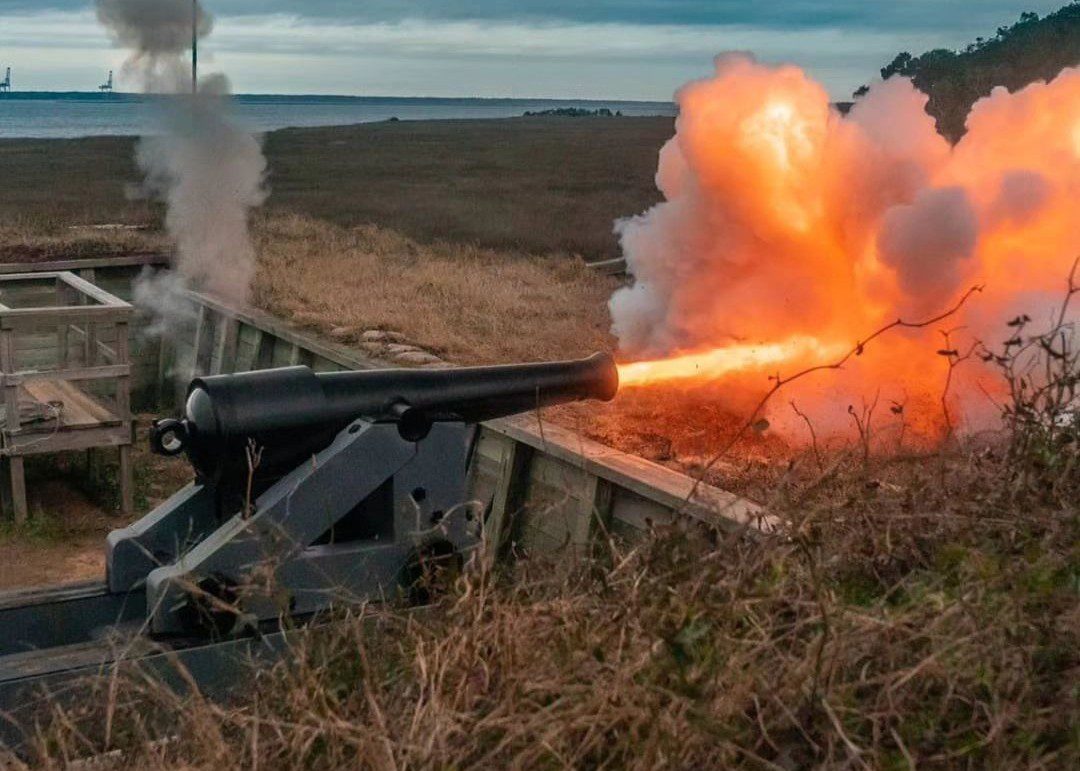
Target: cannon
337, 481
310, 489
289, 414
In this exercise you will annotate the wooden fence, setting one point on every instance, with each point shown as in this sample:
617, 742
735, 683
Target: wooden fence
116, 275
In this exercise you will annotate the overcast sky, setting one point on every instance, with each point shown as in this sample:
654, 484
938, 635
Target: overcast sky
611, 49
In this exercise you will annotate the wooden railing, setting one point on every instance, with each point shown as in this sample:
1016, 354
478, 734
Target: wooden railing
87, 404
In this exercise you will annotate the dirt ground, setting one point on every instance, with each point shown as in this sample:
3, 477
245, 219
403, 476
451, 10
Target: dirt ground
73, 508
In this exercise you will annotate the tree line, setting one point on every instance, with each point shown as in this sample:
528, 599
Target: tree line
1034, 48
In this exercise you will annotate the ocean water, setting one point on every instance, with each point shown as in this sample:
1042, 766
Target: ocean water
67, 116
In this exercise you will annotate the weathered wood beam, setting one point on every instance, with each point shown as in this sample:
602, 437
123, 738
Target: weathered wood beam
120, 261
77, 374
651, 481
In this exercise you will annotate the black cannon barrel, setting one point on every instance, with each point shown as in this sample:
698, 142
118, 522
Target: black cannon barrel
293, 412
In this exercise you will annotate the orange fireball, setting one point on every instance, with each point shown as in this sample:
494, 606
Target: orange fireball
804, 231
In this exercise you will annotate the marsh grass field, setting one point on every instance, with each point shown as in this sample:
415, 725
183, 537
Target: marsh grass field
913, 611
536, 185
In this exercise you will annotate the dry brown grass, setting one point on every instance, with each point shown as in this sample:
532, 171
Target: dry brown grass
909, 615
539, 185
29, 243
469, 304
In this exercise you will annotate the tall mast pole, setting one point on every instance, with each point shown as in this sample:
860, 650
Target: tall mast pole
194, 46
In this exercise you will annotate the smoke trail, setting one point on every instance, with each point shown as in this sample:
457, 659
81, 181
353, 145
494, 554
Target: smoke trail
785, 220
208, 170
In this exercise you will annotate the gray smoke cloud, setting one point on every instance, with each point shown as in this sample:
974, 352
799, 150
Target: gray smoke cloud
209, 170
927, 241
154, 27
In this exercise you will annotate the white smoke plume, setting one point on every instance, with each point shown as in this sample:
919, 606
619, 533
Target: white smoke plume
209, 170
163, 293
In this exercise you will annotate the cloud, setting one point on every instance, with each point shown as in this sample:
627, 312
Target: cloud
492, 58
972, 16
613, 49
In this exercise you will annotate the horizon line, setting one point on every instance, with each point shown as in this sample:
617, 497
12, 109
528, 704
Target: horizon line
139, 94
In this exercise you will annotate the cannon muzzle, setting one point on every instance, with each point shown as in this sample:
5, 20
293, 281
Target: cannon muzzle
289, 414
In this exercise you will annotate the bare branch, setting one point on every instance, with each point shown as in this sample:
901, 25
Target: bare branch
779, 382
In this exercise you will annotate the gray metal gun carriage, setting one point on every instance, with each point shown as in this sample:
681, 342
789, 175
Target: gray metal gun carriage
309, 488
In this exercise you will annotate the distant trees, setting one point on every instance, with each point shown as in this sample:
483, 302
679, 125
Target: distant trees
901, 65
575, 112
1032, 49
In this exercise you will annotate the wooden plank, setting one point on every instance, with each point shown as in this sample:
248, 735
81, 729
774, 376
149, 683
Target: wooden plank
652, 481
40, 275
25, 294
224, 360
106, 352
509, 496
68, 441
201, 332
282, 356
123, 382
245, 356
165, 364
127, 492
264, 350
559, 506
36, 340
65, 296
18, 489
290, 334
80, 373
486, 467
11, 391
7, 507
260, 347
90, 290
96, 411
24, 318
57, 266
602, 493
245, 348
633, 516
79, 410
319, 364
92, 347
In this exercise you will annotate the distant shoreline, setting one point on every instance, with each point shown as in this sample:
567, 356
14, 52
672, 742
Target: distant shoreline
123, 96
72, 115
